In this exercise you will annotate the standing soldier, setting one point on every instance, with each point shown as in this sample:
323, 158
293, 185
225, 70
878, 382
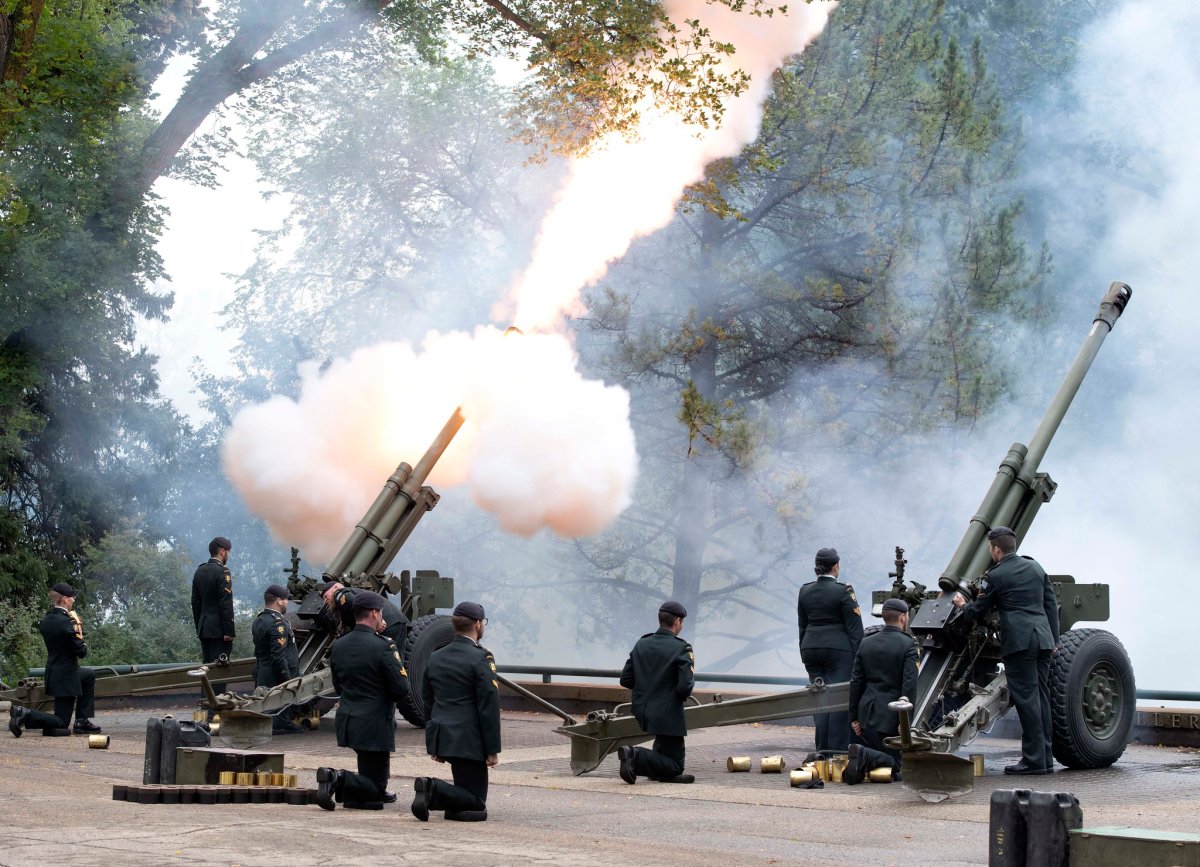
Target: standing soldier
276, 657
1021, 591
212, 604
660, 671
885, 670
369, 678
462, 697
830, 631
73, 688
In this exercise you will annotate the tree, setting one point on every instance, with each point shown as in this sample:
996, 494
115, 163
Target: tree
828, 293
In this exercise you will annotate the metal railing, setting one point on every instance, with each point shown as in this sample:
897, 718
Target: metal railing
547, 673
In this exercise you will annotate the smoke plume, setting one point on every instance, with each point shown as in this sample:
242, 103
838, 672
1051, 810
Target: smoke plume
627, 188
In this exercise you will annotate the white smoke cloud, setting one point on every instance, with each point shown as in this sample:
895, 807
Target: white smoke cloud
1127, 508
625, 189
541, 447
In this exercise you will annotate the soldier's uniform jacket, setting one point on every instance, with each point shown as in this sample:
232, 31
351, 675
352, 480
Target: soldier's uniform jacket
212, 600
829, 615
397, 623
660, 671
65, 646
1020, 589
276, 657
460, 691
884, 669
370, 679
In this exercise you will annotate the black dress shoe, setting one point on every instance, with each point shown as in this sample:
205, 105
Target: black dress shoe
327, 786
16, 719
856, 765
628, 759
86, 727
389, 797
423, 788
680, 778
466, 815
1023, 770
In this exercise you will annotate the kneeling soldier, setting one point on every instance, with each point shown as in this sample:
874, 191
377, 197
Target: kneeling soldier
884, 670
659, 671
369, 678
460, 692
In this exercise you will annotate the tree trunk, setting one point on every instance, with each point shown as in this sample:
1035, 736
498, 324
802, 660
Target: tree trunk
695, 509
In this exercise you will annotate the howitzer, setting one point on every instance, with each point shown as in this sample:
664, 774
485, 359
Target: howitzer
962, 689
361, 563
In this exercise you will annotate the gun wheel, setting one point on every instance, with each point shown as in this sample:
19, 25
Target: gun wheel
425, 635
1092, 698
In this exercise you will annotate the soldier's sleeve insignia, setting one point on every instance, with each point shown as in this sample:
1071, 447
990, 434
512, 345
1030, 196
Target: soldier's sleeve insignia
282, 642
857, 610
491, 665
495, 684
280, 628
396, 653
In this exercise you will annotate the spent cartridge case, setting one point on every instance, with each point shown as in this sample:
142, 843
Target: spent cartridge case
737, 764
977, 763
771, 765
97, 742
800, 778
880, 775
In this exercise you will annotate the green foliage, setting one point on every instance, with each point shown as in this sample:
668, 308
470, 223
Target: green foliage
21, 646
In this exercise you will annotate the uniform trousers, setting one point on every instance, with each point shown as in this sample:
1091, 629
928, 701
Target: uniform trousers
371, 781
210, 650
664, 758
82, 706
469, 790
1029, 684
832, 666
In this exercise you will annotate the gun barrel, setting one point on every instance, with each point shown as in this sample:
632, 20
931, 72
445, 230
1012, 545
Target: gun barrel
1017, 473
370, 536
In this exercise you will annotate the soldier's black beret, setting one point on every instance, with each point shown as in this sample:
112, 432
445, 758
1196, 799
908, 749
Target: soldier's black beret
997, 532
896, 605
325, 585
367, 600
673, 608
221, 542
63, 589
279, 591
469, 609
827, 557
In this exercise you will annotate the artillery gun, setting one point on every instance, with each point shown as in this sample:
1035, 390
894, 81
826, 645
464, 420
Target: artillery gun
962, 689
361, 563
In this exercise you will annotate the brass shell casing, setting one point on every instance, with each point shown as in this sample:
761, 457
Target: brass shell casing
771, 765
880, 775
214, 729
97, 742
820, 769
278, 779
292, 780
263, 779
800, 778
199, 716
837, 765
227, 778
245, 779
977, 761
737, 764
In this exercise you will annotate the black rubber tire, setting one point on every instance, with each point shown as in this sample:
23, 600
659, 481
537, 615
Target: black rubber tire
425, 635
1092, 698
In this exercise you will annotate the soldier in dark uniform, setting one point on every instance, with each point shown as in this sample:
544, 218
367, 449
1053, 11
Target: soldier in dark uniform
660, 671
340, 600
1021, 591
830, 631
212, 604
276, 657
369, 678
73, 688
885, 669
462, 697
